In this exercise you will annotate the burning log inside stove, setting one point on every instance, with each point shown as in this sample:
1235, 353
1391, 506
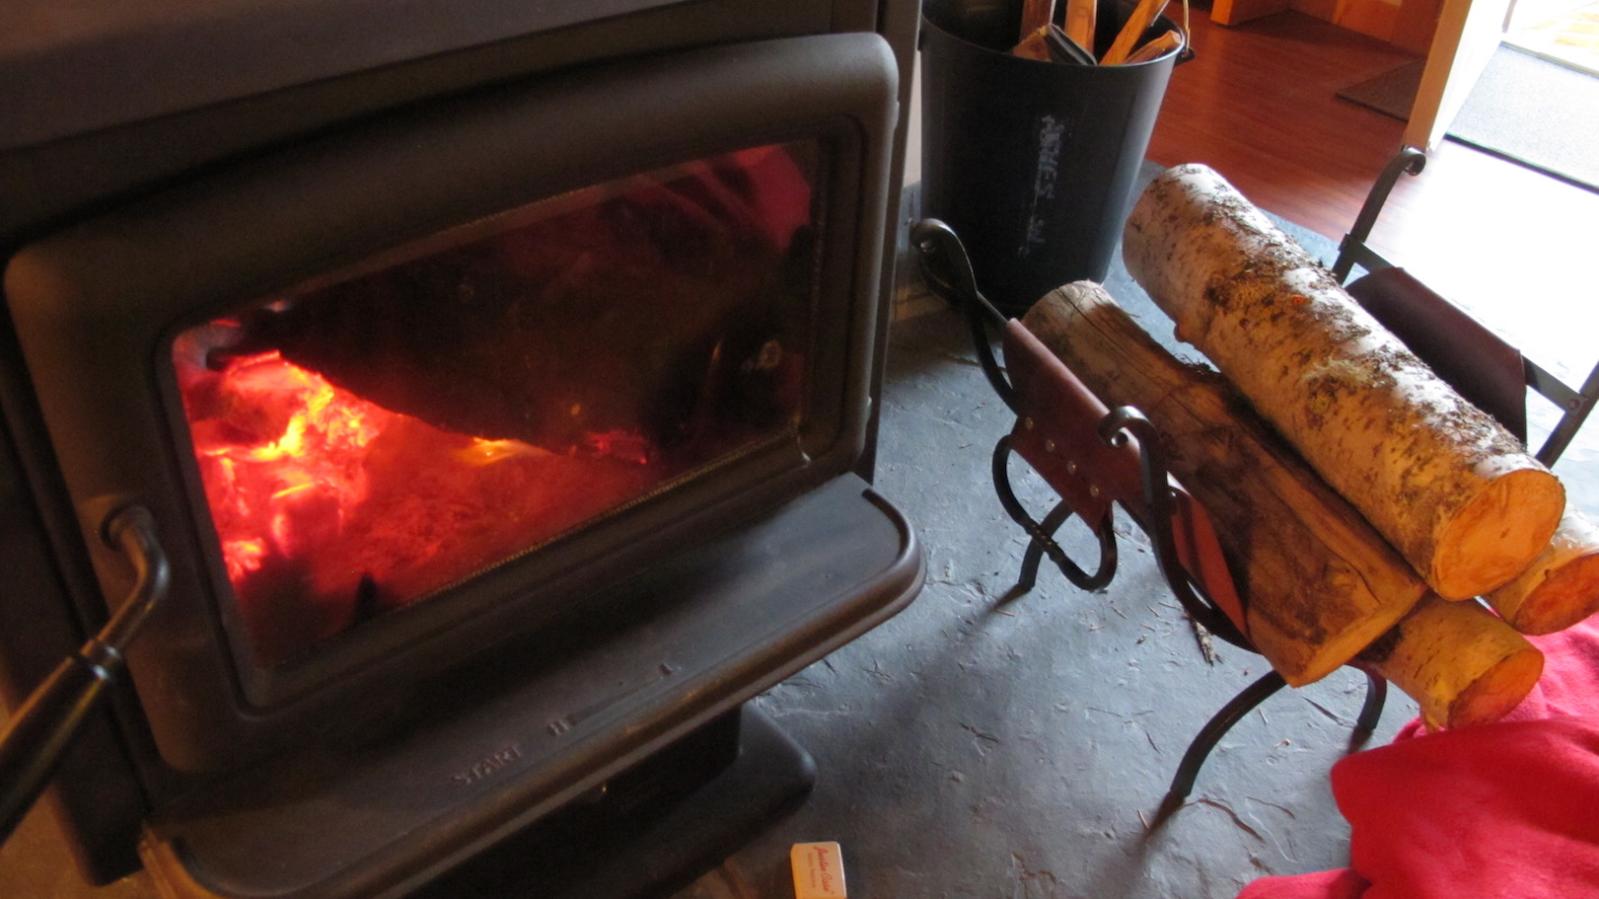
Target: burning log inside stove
330, 509
1453, 491
649, 306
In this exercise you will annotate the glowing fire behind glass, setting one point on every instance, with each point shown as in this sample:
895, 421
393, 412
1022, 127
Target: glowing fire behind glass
374, 438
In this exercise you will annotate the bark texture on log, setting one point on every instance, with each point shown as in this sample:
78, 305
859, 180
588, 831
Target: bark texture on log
1320, 585
1562, 586
1460, 663
1453, 491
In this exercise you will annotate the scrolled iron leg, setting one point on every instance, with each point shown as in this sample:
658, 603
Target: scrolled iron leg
1034, 556
1042, 534
1218, 726
1370, 711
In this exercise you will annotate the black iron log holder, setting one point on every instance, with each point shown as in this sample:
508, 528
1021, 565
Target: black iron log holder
1093, 456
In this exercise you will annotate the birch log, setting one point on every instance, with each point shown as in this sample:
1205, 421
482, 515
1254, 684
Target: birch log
1562, 586
1462, 665
1318, 583
1452, 490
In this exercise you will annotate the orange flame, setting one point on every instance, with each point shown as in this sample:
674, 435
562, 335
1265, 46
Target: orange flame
484, 451
285, 455
328, 507
286, 468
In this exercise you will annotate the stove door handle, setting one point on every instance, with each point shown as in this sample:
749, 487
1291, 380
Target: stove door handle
42, 729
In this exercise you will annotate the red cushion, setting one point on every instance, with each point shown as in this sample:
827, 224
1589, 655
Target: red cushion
1508, 809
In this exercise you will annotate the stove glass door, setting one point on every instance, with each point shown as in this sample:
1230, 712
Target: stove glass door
370, 438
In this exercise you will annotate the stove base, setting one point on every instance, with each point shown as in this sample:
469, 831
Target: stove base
407, 794
655, 828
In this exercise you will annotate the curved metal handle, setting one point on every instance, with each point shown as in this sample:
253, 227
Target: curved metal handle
948, 271
1186, 52
1122, 423
42, 729
1043, 532
1408, 160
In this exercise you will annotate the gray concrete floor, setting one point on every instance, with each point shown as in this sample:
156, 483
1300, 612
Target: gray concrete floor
978, 747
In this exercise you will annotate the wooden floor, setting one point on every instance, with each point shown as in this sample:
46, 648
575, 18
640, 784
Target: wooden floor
1258, 104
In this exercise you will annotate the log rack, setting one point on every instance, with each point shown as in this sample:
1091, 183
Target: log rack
1093, 456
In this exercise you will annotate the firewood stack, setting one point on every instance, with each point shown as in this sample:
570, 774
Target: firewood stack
1363, 504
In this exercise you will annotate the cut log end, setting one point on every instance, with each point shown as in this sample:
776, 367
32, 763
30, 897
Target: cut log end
1562, 586
1500, 689
1565, 598
1496, 535
1462, 665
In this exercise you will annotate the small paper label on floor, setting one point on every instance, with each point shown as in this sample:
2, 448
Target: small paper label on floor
818, 870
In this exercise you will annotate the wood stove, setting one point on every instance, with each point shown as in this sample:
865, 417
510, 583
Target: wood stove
501, 384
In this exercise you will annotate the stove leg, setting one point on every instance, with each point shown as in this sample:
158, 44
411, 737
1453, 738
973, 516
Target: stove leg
1199, 750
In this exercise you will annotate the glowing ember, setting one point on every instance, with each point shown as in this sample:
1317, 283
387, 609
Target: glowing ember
487, 452
278, 490
329, 508
626, 445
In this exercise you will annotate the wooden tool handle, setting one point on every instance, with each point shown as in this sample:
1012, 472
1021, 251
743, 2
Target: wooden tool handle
1034, 46
1156, 47
1080, 21
1036, 14
1132, 30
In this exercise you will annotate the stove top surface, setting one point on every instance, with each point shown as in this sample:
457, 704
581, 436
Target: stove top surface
75, 67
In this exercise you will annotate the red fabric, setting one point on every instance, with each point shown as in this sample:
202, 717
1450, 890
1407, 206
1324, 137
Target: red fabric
1343, 883
1509, 809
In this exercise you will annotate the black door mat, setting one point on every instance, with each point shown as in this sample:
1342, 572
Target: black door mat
1525, 109
1536, 113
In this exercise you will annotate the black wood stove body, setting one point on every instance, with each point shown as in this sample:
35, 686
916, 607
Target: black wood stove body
499, 379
